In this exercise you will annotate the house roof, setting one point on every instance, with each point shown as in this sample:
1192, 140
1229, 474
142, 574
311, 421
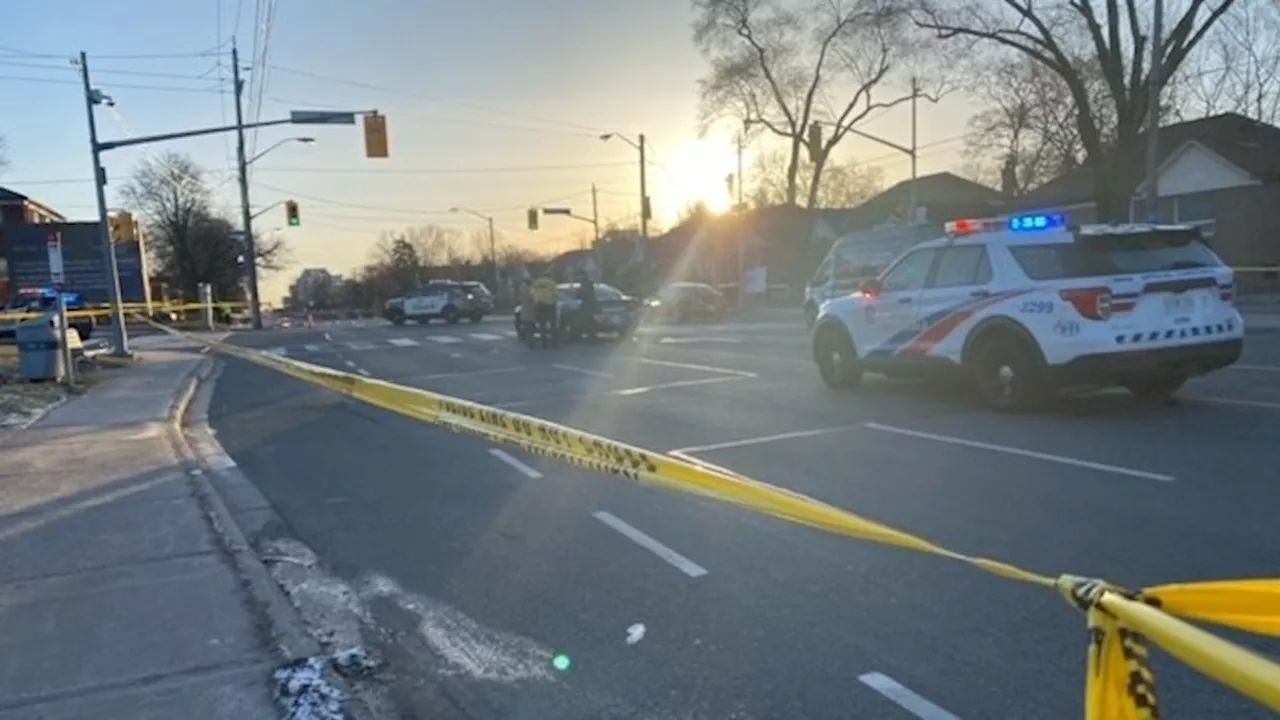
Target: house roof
945, 195
1249, 145
9, 196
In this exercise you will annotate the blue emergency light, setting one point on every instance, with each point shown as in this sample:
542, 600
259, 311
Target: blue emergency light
1032, 223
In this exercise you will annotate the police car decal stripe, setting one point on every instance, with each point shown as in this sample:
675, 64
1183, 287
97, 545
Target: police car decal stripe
905, 337
938, 331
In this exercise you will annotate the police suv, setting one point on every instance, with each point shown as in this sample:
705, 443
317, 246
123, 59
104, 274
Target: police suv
1030, 305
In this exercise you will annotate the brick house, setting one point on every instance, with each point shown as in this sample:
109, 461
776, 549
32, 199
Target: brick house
18, 209
1221, 173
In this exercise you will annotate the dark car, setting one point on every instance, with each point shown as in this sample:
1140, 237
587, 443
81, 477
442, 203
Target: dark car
616, 313
686, 302
41, 301
478, 300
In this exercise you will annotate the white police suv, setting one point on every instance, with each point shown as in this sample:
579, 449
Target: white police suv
1029, 305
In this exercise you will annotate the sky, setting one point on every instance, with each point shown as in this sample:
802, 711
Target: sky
491, 105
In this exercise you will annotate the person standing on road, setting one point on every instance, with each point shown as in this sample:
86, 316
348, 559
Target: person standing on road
589, 305
544, 298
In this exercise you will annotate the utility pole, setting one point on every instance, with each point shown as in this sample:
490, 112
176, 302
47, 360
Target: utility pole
250, 249
595, 212
120, 337
493, 256
1153, 113
644, 194
915, 93
741, 142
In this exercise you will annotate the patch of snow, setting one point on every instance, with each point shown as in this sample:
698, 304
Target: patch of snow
304, 693
635, 633
470, 648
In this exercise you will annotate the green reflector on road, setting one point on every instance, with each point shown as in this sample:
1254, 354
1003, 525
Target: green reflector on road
561, 662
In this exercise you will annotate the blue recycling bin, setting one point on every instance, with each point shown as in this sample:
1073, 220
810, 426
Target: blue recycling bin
40, 349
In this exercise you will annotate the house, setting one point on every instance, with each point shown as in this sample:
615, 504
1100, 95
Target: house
791, 241
1221, 173
18, 209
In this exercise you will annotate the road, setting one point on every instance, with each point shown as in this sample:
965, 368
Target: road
476, 566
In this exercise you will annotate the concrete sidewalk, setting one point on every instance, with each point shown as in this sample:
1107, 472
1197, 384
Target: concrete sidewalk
119, 600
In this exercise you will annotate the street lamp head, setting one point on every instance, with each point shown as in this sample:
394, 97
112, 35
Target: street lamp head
455, 210
97, 97
305, 140
606, 137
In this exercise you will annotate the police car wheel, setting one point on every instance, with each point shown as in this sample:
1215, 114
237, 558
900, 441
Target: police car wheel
1007, 374
837, 360
1156, 387
451, 315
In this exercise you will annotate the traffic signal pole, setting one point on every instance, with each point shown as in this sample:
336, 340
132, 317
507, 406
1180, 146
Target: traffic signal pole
246, 218
120, 336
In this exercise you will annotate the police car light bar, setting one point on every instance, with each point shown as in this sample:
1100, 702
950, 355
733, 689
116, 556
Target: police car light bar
1032, 223
960, 228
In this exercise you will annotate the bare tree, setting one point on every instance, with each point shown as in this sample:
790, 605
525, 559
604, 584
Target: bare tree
4, 155
1059, 34
1236, 68
782, 65
842, 185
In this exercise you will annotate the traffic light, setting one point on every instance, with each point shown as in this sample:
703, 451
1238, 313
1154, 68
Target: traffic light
375, 135
533, 218
291, 213
123, 228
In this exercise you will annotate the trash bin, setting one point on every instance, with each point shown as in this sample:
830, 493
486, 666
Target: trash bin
40, 349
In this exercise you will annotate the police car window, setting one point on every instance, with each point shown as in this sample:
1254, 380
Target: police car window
962, 266
910, 272
607, 292
1115, 254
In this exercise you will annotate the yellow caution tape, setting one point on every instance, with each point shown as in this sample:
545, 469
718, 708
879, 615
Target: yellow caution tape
1120, 684
103, 312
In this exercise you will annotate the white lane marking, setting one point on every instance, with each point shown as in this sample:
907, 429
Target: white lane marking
511, 333
683, 340
626, 392
768, 438
485, 336
1231, 401
349, 363
1060, 459
328, 337
692, 366
703, 463
464, 373
403, 342
682, 563
1255, 368
904, 698
281, 351
311, 348
581, 370
364, 372
443, 339
515, 463
361, 345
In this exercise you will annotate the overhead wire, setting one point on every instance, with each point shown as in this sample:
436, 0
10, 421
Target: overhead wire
502, 170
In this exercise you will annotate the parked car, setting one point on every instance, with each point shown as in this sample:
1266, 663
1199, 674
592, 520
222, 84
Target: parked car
443, 299
686, 302
616, 312
40, 300
479, 301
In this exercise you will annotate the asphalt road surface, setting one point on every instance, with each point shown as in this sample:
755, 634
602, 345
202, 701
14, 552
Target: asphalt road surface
484, 572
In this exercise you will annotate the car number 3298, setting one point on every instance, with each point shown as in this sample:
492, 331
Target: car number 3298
1036, 307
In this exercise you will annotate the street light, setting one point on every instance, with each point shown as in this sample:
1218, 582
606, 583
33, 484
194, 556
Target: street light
644, 194
493, 249
303, 140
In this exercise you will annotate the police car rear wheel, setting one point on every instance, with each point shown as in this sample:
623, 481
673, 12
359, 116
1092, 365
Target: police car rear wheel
837, 360
451, 315
1156, 387
1008, 375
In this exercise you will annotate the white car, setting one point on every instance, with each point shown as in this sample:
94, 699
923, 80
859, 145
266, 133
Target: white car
1029, 305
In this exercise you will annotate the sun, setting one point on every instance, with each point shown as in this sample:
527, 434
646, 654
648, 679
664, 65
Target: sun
697, 172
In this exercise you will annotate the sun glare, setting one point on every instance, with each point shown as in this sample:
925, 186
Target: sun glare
696, 172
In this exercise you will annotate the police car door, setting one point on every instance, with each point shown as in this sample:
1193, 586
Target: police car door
890, 316
428, 303
959, 285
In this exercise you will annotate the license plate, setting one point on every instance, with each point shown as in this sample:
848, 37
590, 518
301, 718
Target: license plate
1179, 304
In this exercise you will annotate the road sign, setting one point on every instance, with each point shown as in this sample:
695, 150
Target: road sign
53, 245
557, 211
321, 117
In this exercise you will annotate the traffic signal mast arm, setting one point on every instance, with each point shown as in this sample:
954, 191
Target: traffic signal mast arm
267, 209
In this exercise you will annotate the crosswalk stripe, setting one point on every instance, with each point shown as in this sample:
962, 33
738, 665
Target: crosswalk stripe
511, 333
443, 339
485, 336
361, 345
403, 342
311, 348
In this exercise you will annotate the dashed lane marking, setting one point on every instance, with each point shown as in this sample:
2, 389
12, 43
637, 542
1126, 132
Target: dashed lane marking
312, 347
364, 372
903, 697
693, 366
403, 342
361, 345
511, 333
280, 351
462, 374
444, 339
349, 363
484, 336
767, 439
1060, 459
514, 462
681, 563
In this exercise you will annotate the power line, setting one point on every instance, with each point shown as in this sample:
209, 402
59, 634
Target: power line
96, 72
358, 206
120, 86
584, 129
146, 56
451, 171
436, 118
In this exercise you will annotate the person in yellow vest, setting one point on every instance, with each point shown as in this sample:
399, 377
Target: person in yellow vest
545, 298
